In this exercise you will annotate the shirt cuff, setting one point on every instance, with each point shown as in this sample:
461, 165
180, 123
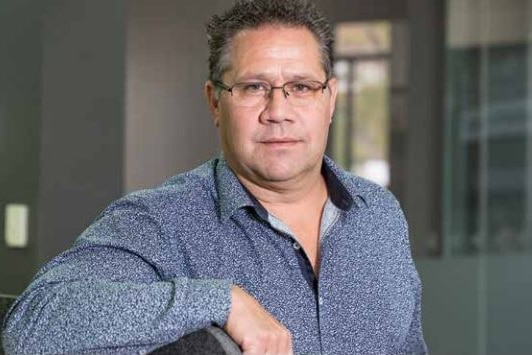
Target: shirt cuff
207, 302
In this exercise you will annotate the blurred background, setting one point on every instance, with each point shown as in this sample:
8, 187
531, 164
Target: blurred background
102, 97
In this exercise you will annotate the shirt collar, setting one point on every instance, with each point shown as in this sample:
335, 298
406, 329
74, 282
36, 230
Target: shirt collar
337, 179
232, 195
337, 191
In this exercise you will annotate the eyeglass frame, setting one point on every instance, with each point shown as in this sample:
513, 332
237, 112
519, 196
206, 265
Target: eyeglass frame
223, 86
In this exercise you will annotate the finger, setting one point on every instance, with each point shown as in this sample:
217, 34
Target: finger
284, 341
254, 351
255, 347
287, 344
281, 342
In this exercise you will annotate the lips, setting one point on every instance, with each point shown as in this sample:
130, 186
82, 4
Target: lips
280, 143
279, 140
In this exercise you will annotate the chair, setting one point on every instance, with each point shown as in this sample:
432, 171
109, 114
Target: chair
5, 303
211, 340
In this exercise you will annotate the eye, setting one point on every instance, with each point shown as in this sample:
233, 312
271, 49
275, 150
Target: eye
301, 87
252, 88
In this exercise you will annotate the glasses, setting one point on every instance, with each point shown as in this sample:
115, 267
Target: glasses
253, 94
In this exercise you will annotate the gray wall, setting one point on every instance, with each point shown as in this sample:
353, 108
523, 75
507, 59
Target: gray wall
97, 98
362, 10
20, 81
476, 303
62, 112
168, 125
81, 151
424, 133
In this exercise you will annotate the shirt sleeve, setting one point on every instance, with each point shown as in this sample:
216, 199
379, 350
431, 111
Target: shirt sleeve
415, 343
112, 291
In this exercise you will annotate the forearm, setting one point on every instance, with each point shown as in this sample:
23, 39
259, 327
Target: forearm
82, 316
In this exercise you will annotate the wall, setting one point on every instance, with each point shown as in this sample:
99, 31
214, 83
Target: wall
20, 82
81, 151
362, 10
168, 125
477, 304
62, 67
98, 98
424, 148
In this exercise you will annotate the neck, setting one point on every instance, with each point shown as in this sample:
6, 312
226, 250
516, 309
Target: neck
271, 194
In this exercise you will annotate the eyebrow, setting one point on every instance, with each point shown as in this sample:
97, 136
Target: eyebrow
266, 78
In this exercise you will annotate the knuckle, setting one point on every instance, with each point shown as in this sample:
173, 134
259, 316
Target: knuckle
264, 337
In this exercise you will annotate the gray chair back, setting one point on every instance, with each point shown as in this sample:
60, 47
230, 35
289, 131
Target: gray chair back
5, 302
207, 341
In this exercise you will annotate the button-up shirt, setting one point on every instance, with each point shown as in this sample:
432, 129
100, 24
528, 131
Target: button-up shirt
160, 263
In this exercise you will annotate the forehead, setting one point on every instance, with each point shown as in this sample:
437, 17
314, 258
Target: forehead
273, 50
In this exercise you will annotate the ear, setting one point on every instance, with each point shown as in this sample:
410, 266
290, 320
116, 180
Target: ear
214, 104
333, 87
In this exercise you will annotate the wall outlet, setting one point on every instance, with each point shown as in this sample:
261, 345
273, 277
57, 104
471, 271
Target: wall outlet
16, 225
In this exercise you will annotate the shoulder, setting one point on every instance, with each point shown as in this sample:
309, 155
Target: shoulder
363, 190
180, 193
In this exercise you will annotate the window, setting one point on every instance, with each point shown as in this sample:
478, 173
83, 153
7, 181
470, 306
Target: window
360, 132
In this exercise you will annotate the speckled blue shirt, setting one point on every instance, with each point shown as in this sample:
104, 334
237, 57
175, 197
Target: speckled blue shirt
159, 263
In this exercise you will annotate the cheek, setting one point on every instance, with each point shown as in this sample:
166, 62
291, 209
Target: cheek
235, 128
317, 123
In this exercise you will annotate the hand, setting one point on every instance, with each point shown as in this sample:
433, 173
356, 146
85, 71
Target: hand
254, 329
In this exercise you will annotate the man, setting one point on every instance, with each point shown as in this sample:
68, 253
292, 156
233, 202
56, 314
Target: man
271, 241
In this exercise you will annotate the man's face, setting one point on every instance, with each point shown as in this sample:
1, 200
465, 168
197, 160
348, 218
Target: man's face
276, 142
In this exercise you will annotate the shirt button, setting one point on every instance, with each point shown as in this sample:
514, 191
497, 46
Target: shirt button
320, 301
296, 246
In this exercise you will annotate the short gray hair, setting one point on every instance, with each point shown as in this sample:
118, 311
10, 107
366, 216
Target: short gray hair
252, 14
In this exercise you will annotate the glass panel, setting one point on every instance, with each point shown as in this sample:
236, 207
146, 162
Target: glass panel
371, 127
340, 148
488, 165
487, 95
360, 130
506, 117
462, 141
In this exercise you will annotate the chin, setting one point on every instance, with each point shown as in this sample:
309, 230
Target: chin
278, 174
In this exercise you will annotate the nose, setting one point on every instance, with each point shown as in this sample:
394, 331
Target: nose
277, 107
285, 94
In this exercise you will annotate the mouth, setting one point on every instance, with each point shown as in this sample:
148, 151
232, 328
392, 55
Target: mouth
280, 141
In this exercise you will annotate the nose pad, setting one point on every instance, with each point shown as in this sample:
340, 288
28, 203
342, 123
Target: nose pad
272, 99
271, 93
